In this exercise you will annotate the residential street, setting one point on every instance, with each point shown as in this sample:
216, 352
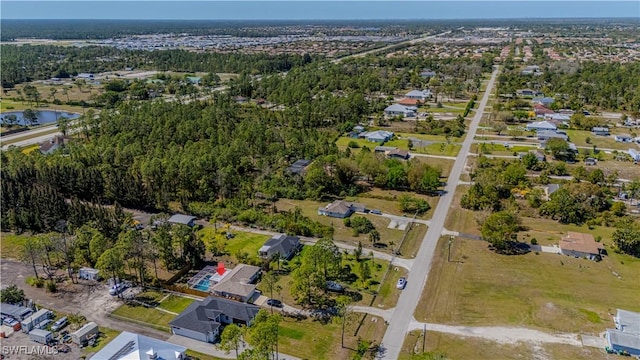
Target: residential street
403, 315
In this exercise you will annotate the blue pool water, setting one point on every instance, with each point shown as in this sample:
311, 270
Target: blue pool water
44, 116
203, 285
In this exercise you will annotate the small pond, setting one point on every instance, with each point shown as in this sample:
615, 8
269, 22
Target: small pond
44, 117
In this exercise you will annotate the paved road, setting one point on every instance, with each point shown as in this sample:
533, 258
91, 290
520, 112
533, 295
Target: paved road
373, 51
403, 315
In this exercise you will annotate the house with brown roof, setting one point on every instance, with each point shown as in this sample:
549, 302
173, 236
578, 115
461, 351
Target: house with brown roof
409, 102
398, 154
52, 145
580, 245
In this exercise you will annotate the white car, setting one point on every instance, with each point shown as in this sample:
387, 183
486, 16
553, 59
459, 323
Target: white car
402, 282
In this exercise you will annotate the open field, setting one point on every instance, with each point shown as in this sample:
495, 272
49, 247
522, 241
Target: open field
343, 142
10, 105
341, 232
439, 149
386, 200
625, 169
443, 164
548, 232
435, 138
309, 339
143, 315
411, 243
460, 219
74, 93
245, 241
579, 137
456, 347
480, 287
11, 244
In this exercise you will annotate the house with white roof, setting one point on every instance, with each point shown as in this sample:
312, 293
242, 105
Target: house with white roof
635, 154
623, 138
626, 336
132, 346
542, 125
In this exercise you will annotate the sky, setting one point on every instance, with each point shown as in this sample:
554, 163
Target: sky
315, 10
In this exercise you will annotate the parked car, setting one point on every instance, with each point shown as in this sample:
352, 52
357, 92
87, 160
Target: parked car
117, 289
274, 302
376, 212
334, 286
402, 282
59, 324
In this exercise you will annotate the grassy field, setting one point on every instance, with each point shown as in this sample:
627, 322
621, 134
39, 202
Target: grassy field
343, 142
106, 335
548, 232
460, 219
412, 242
388, 294
143, 315
194, 355
456, 347
341, 232
579, 137
309, 339
480, 287
29, 149
386, 200
244, 241
10, 105
175, 303
443, 164
435, 138
439, 149
10, 244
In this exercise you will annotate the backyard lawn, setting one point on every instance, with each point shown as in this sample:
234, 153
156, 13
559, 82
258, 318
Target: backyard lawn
143, 315
245, 241
480, 287
175, 303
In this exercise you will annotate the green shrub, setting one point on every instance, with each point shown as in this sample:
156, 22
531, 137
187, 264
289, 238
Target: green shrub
534, 241
347, 222
361, 225
34, 281
353, 144
51, 286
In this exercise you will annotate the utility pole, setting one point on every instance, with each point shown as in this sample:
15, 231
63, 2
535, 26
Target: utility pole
424, 336
449, 254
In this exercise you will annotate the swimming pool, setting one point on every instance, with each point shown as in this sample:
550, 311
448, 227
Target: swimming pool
203, 285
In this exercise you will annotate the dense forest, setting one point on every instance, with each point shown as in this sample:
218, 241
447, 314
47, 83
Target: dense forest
612, 86
27, 63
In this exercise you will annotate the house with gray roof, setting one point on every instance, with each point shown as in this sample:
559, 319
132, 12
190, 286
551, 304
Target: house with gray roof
377, 136
542, 125
402, 110
635, 154
626, 336
238, 284
203, 320
421, 95
599, 130
182, 219
623, 138
17, 312
132, 346
546, 101
282, 244
341, 209
299, 167
545, 135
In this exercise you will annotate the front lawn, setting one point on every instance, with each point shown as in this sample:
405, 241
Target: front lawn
439, 149
245, 241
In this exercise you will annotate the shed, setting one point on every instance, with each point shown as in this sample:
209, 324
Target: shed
83, 334
88, 273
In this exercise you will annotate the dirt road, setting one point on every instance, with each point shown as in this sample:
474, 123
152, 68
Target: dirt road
94, 302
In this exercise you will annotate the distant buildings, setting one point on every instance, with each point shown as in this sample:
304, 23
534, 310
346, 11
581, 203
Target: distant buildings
299, 167
531, 70
623, 138
378, 136
635, 154
541, 126
600, 131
